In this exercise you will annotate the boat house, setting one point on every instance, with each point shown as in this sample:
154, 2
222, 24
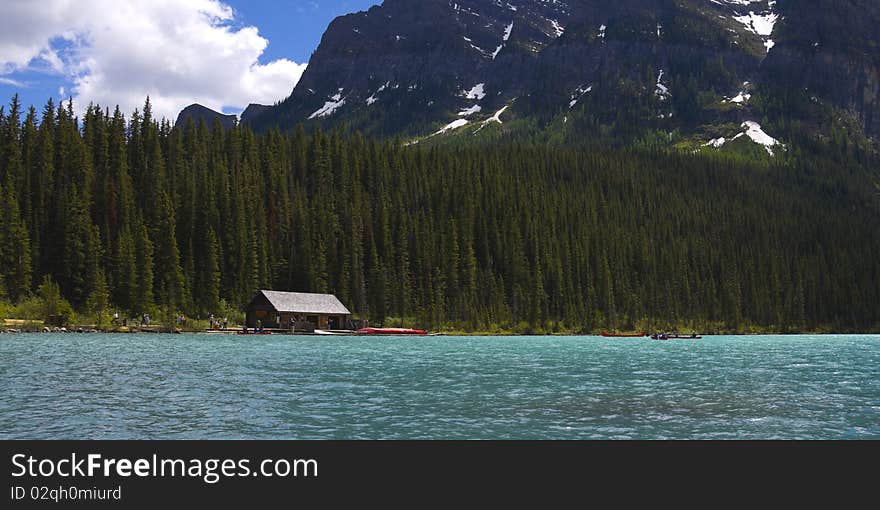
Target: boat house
297, 311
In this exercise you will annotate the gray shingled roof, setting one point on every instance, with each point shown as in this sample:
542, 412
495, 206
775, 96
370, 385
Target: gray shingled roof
299, 302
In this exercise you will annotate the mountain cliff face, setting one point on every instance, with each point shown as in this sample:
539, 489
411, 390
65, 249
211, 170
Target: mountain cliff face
405, 65
253, 111
197, 113
710, 70
827, 61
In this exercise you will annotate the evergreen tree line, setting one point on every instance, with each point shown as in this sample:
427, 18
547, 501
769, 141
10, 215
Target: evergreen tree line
138, 214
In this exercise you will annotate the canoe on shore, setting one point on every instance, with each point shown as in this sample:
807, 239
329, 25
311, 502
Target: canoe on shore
676, 337
624, 335
390, 331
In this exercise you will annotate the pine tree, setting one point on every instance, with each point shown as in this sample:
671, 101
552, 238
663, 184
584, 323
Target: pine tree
142, 299
99, 299
78, 251
11, 169
125, 288
169, 283
43, 183
208, 278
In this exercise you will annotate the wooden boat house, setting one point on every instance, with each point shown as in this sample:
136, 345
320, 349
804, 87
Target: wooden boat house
297, 311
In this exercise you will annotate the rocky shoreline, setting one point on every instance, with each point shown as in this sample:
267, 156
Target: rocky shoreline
90, 330
52, 330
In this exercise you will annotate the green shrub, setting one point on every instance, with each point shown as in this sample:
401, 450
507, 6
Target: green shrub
231, 313
30, 308
5, 311
54, 308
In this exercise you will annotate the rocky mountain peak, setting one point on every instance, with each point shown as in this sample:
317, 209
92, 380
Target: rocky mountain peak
425, 67
197, 113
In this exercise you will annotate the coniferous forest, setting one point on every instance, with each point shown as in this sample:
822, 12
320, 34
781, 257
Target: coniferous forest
129, 213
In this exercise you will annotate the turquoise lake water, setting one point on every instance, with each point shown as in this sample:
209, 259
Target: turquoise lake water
79, 386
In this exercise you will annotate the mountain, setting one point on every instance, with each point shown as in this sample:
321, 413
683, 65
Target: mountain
197, 112
710, 71
404, 65
827, 62
250, 114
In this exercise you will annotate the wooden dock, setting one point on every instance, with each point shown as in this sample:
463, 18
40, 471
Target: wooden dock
286, 332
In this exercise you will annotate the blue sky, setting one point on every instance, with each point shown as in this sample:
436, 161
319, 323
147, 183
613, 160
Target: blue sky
294, 27
221, 53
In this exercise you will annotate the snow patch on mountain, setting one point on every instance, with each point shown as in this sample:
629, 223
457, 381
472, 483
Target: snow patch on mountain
497, 116
476, 92
577, 94
470, 111
507, 32
373, 97
743, 97
662, 90
716, 142
452, 126
494, 118
759, 23
330, 107
755, 133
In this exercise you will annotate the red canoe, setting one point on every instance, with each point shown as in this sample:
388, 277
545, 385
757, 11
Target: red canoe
389, 331
623, 335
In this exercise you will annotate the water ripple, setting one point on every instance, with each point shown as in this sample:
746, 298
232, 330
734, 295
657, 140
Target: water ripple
189, 386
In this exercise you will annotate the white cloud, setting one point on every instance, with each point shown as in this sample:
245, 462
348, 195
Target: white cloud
10, 81
119, 51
